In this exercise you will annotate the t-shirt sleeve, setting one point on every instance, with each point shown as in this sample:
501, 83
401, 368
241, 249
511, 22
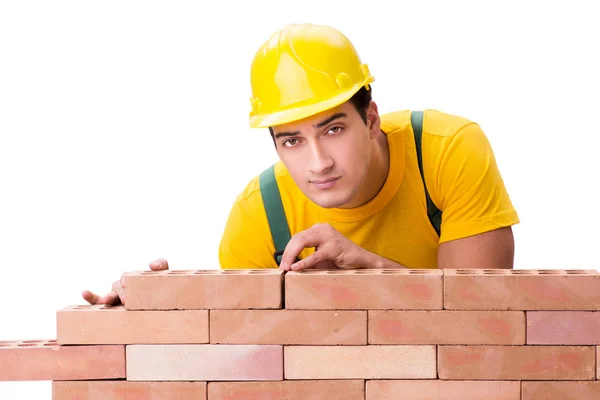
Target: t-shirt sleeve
246, 242
470, 190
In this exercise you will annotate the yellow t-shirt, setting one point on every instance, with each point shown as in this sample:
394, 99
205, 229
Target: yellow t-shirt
462, 178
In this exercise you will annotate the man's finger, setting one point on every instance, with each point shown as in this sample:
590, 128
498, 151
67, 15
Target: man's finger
159, 265
316, 258
90, 297
326, 265
110, 299
118, 290
300, 241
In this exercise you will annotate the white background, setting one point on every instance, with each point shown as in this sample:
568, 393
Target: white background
119, 120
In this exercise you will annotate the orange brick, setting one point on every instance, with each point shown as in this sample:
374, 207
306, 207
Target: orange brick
499, 289
288, 327
89, 324
46, 360
565, 390
288, 390
204, 362
446, 327
446, 390
203, 289
517, 362
121, 390
360, 362
563, 327
364, 289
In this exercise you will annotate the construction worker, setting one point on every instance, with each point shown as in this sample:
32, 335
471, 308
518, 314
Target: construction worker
352, 188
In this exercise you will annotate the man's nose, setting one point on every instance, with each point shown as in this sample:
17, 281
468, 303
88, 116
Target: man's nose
320, 161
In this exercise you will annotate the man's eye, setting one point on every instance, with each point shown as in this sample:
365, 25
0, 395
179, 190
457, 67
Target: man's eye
290, 142
335, 129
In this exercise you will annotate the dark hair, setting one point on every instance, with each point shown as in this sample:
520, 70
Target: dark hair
360, 101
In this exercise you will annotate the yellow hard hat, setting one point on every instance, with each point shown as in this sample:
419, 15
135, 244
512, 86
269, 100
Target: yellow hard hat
302, 70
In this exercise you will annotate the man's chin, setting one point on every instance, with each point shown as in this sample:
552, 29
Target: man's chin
329, 201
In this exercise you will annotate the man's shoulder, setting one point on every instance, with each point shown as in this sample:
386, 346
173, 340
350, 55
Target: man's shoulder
251, 195
246, 241
435, 122
443, 124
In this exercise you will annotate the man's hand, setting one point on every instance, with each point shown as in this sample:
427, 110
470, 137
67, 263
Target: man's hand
332, 250
117, 296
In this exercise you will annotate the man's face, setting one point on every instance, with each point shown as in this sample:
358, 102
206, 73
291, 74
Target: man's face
328, 154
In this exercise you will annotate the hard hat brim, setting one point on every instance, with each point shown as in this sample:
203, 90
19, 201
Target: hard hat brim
300, 112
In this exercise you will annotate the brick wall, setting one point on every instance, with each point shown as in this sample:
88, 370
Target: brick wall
362, 334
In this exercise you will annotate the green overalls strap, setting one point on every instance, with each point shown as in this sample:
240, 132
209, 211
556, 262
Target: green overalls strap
434, 214
274, 207
275, 212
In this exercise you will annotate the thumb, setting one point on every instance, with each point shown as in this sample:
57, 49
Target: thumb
159, 265
315, 259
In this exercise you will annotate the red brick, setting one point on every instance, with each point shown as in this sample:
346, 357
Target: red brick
288, 390
364, 289
563, 327
565, 390
288, 327
100, 324
517, 362
46, 360
536, 290
203, 289
446, 327
360, 362
204, 362
446, 390
121, 390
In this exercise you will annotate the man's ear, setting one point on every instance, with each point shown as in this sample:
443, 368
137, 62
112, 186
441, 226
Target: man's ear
373, 120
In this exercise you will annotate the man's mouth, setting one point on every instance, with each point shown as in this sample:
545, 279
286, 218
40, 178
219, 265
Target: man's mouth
325, 183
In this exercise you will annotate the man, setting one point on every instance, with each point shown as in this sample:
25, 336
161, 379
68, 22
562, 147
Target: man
348, 191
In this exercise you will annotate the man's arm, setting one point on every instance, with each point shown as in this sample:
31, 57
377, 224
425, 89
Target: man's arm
494, 249
246, 241
477, 210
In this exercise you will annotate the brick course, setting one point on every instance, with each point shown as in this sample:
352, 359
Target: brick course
359, 334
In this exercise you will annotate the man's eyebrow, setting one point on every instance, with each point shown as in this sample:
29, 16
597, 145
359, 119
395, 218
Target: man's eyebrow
328, 120
319, 125
286, 134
